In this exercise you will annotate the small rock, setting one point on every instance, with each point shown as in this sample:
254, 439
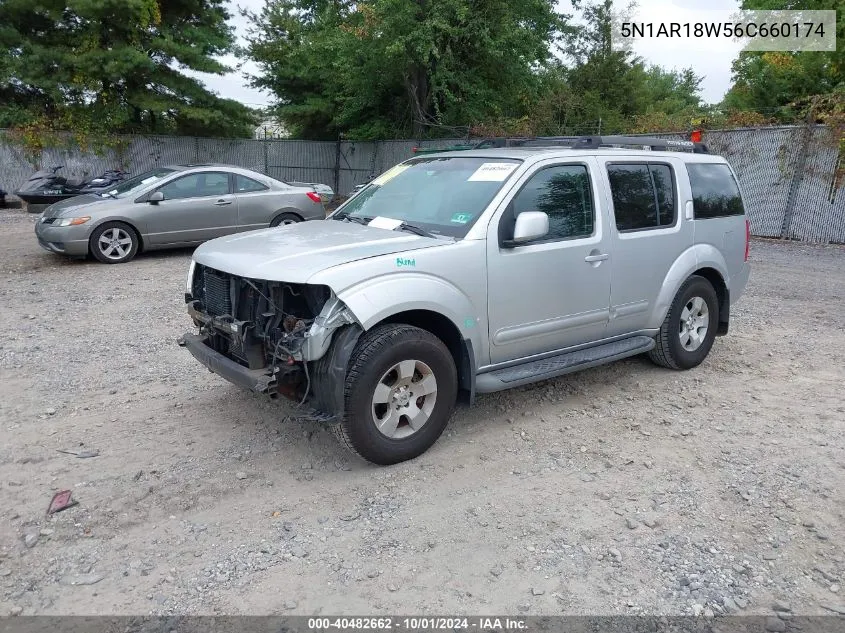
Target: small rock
834, 588
30, 540
5, 572
777, 605
708, 613
808, 523
586, 477
290, 605
46, 532
392, 588
770, 556
240, 474
729, 604
741, 602
836, 608
523, 608
537, 592
298, 551
15, 611
50, 411
697, 609
615, 553
373, 573
775, 625
631, 523
350, 517
650, 523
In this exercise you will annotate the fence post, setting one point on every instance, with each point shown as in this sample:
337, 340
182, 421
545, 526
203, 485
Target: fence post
797, 175
266, 155
197, 150
337, 165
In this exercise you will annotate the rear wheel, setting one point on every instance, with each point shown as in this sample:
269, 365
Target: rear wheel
689, 329
285, 218
399, 395
114, 243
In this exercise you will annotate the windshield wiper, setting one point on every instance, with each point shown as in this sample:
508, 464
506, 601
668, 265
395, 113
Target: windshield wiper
345, 217
411, 228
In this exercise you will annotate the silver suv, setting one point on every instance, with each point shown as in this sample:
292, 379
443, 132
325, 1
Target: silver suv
471, 272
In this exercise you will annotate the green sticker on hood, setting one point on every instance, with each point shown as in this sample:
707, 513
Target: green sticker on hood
461, 218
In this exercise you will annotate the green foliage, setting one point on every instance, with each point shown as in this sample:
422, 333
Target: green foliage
382, 68
115, 66
771, 82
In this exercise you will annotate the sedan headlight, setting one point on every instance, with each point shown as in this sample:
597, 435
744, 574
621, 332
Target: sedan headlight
189, 284
71, 221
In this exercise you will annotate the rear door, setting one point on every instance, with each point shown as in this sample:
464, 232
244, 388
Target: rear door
648, 233
256, 204
552, 293
196, 207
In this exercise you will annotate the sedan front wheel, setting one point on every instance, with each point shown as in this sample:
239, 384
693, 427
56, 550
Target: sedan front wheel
114, 243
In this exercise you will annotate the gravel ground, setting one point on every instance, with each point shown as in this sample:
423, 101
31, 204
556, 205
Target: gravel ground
625, 489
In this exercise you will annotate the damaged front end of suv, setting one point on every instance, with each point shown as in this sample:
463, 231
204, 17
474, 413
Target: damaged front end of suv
271, 337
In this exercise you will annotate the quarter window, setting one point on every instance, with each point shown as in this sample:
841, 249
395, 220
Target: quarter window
563, 193
715, 193
643, 195
247, 185
198, 185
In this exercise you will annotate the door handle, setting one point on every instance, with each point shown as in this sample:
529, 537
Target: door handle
596, 258
221, 203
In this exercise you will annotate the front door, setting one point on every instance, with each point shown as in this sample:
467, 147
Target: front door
196, 207
553, 292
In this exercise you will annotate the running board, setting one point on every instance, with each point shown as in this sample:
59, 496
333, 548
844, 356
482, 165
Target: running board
545, 368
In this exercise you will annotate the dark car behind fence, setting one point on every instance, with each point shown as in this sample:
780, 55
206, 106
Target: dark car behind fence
788, 174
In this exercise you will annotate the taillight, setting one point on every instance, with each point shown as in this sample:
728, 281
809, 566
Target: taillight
414, 150
747, 238
315, 197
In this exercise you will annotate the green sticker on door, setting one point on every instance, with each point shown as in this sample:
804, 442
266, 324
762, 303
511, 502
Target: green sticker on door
461, 218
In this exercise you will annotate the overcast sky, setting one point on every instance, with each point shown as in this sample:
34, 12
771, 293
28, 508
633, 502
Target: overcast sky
713, 60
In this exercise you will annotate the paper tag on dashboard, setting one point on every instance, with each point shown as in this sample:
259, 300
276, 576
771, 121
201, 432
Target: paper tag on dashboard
380, 222
492, 172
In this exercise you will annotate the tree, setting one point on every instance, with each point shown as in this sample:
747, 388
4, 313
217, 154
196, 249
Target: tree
379, 68
117, 66
768, 82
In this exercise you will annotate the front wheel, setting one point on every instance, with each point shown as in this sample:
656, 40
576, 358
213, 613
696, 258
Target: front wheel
114, 243
400, 392
689, 329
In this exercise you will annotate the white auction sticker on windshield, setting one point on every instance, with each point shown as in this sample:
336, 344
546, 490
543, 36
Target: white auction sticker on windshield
492, 172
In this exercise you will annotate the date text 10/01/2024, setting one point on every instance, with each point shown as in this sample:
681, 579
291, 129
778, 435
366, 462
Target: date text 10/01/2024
416, 624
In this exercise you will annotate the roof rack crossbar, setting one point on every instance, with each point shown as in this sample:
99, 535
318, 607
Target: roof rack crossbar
595, 142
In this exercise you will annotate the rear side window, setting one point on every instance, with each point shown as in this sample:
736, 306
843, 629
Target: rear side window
643, 195
247, 185
715, 193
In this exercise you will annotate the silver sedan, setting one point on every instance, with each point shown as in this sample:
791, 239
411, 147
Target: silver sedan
179, 205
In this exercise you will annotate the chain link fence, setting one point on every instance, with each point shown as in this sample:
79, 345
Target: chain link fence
788, 174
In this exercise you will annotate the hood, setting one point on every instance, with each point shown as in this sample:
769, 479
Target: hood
295, 252
70, 206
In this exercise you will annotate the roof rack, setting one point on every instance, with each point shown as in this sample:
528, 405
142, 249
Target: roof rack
595, 142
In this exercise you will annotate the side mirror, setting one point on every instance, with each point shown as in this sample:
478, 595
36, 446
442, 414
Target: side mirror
155, 197
530, 225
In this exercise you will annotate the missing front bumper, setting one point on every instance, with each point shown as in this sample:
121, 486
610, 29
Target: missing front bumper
257, 380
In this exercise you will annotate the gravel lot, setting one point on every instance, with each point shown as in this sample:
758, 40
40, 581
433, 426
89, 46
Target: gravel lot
621, 490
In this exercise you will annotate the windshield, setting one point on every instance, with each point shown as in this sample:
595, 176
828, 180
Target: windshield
442, 195
129, 187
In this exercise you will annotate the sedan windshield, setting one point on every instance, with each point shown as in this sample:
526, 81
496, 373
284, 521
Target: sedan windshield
129, 187
443, 196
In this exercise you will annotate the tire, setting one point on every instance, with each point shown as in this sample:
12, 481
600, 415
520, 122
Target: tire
682, 342
390, 364
114, 243
285, 218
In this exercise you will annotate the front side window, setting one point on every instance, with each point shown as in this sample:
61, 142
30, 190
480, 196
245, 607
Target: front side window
643, 195
563, 193
198, 185
443, 195
715, 193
